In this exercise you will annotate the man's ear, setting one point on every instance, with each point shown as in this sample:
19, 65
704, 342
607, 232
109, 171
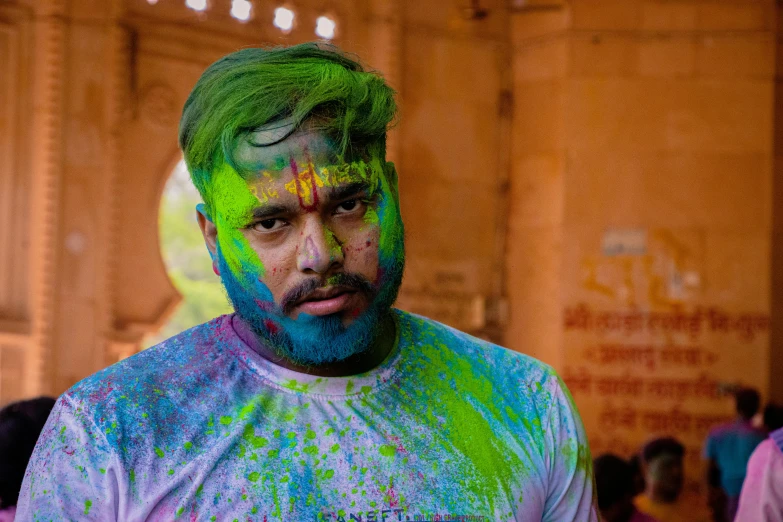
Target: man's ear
391, 176
208, 229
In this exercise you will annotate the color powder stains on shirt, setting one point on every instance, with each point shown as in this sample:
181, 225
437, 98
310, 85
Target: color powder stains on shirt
201, 427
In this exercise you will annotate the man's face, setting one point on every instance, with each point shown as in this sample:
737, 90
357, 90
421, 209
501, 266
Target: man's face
308, 246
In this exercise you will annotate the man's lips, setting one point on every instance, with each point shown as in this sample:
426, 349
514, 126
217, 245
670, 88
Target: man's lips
325, 301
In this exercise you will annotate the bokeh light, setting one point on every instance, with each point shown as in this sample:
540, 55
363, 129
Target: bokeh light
197, 5
284, 19
325, 27
241, 9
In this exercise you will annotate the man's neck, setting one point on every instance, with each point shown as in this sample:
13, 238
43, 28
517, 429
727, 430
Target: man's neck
379, 349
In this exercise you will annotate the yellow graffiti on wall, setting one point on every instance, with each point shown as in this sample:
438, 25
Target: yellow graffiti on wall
657, 276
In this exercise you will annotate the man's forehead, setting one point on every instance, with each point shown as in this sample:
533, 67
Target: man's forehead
278, 146
313, 182
272, 132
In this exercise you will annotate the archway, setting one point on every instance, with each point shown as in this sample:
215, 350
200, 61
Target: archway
187, 261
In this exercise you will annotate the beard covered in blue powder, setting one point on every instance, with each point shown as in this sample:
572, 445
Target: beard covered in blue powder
312, 340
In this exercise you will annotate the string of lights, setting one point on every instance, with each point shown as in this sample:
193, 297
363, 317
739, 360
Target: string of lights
284, 19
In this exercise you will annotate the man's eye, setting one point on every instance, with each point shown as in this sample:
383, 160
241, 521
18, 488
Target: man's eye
268, 225
347, 206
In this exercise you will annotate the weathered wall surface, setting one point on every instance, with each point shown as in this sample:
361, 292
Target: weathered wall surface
533, 256
641, 215
452, 156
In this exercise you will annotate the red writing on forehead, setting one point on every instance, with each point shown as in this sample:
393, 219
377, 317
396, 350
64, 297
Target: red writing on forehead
305, 185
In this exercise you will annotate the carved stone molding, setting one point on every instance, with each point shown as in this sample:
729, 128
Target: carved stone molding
46, 122
118, 100
15, 104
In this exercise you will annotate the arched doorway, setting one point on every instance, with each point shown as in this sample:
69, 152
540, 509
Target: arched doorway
186, 258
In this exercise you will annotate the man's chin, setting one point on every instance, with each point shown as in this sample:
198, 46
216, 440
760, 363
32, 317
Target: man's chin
316, 340
313, 341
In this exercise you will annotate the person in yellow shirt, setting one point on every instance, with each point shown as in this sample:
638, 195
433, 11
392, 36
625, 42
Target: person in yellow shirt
664, 473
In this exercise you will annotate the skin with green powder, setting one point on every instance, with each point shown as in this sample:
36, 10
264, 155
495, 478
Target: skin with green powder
316, 400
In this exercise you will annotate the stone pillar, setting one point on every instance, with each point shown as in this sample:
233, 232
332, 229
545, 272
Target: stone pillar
639, 247
451, 159
534, 247
776, 317
381, 49
82, 318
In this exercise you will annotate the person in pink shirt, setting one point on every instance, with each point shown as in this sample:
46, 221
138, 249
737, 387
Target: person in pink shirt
614, 482
761, 499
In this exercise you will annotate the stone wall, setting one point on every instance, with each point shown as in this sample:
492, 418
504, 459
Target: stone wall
639, 242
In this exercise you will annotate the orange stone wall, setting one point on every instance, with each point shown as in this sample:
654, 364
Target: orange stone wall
639, 259
452, 154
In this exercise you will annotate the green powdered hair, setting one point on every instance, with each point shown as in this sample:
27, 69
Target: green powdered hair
252, 87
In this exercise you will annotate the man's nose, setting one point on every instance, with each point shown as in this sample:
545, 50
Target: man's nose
319, 249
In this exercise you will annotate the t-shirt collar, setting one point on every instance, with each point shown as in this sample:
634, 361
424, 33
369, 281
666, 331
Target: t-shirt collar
299, 382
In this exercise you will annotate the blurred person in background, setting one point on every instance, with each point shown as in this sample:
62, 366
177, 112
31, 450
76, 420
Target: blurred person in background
773, 417
716, 497
637, 471
761, 499
663, 462
615, 490
729, 446
20, 425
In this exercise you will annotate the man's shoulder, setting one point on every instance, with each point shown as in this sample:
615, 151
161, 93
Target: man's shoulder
158, 367
498, 360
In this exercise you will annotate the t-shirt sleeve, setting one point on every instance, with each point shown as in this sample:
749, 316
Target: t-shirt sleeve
761, 499
72, 473
570, 493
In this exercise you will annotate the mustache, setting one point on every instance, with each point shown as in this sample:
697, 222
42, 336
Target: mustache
352, 281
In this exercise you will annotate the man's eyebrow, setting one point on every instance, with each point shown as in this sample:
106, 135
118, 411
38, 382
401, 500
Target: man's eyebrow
267, 211
349, 189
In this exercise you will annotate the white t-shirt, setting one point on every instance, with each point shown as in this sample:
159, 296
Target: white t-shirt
201, 427
761, 499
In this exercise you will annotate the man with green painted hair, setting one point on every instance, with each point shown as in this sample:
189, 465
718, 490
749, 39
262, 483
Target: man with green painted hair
315, 400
